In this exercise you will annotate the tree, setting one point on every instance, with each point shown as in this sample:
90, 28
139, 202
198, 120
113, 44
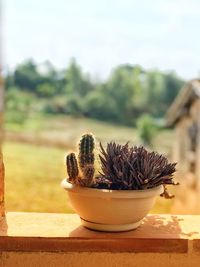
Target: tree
76, 82
154, 86
172, 85
128, 92
97, 105
52, 82
46, 90
125, 88
26, 76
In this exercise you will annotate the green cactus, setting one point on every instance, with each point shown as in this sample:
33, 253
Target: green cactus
86, 163
86, 147
72, 167
85, 159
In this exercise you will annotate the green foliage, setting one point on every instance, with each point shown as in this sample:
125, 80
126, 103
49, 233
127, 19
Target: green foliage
127, 93
76, 82
26, 76
74, 105
46, 90
100, 106
19, 106
122, 87
57, 105
154, 85
172, 85
146, 129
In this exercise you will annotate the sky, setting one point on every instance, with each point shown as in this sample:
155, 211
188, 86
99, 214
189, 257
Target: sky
100, 34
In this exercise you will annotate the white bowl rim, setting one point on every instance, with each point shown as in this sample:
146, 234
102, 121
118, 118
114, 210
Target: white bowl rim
87, 191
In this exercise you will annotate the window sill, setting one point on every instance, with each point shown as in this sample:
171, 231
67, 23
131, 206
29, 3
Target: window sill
43, 232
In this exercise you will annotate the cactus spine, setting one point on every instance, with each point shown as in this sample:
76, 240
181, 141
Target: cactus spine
72, 167
85, 160
88, 175
86, 147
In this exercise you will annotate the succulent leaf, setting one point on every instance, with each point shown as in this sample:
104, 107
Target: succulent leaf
133, 168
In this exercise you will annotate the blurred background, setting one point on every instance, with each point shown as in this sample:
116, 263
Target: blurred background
113, 68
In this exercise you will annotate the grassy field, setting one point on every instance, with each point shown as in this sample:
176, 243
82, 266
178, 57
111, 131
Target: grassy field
34, 172
33, 176
64, 131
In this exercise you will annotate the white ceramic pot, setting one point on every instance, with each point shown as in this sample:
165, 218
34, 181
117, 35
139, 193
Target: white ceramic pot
111, 210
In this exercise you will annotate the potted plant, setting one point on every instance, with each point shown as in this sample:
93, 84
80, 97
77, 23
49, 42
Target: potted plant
121, 193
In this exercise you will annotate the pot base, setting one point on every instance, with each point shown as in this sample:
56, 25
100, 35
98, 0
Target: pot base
110, 227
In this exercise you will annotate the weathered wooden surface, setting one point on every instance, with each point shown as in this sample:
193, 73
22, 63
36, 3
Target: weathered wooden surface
2, 209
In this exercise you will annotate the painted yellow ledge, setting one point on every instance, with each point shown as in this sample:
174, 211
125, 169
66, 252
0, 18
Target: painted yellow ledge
31, 232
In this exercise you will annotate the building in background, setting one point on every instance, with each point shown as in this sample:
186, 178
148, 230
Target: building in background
184, 116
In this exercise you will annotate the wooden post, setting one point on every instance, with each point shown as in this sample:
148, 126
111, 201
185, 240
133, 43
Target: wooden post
198, 149
2, 207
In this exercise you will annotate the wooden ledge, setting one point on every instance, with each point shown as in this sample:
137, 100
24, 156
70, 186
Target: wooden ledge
21, 231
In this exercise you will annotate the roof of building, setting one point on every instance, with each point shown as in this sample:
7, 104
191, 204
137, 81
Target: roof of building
185, 98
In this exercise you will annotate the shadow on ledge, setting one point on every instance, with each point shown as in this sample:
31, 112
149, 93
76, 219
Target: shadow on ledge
153, 226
